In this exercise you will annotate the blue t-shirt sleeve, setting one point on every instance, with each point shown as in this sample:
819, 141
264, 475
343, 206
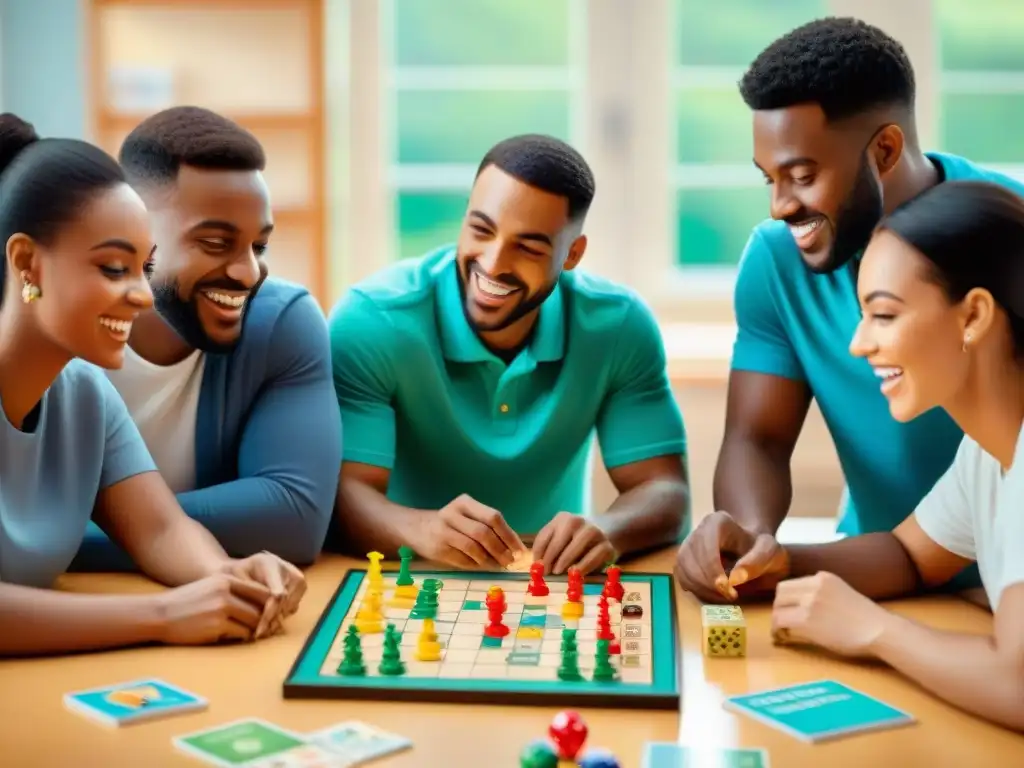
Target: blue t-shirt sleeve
362, 357
124, 451
639, 418
762, 343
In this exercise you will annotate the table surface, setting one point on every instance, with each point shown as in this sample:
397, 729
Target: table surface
245, 681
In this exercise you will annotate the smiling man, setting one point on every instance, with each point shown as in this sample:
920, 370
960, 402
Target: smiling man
228, 378
470, 382
835, 137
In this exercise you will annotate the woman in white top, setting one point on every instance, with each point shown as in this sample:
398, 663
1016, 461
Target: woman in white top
941, 286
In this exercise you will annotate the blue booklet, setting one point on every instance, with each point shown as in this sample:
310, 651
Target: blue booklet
663, 754
819, 710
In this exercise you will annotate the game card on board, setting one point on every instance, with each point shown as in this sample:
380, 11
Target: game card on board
132, 702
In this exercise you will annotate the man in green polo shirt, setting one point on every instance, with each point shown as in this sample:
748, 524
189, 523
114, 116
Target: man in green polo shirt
470, 382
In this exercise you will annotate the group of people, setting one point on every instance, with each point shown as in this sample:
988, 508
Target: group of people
166, 405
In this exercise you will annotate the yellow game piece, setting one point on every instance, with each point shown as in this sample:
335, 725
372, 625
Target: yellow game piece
375, 574
725, 630
427, 646
572, 610
369, 618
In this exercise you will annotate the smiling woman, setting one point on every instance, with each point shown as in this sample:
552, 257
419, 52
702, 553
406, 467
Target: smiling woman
74, 277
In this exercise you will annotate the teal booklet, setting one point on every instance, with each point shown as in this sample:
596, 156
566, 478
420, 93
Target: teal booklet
820, 710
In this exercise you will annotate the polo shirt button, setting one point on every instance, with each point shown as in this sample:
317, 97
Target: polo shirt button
504, 407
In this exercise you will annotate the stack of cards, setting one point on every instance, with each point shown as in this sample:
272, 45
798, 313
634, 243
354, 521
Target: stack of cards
125, 703
255, 743
820, 710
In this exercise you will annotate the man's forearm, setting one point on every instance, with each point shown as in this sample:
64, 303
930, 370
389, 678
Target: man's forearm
368, 521
966, 670
874, 564
653, 514
42, 621
181, 553
754, 484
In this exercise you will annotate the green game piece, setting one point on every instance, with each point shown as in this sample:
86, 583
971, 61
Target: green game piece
603, 669
570, 668
568, 640
426, 600
405, 554
538, 754
391, 662
352, 660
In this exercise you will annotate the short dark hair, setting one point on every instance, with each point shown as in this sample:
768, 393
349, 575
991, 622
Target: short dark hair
155, 150
44, 183
548, 164
972, 234
844, 65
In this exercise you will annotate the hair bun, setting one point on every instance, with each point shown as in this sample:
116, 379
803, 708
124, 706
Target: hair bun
15, 135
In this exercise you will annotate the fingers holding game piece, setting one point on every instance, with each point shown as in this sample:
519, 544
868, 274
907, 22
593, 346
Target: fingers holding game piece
699, 568
567, 540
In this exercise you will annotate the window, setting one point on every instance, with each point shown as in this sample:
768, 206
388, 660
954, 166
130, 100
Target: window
719, 195
982, 81
460, 81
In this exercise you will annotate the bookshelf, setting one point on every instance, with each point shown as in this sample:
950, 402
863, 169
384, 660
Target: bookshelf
258, 62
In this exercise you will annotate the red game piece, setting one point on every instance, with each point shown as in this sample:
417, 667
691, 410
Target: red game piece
604, 625
537, 586
569, 733
495, 602
613, 585
574, 588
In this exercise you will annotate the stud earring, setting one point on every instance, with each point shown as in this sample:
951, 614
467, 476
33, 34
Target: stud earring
30, 291
967, 340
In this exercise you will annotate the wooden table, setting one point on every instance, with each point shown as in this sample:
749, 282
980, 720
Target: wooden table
245, 681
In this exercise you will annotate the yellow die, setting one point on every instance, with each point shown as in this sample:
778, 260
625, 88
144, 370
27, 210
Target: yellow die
725, 630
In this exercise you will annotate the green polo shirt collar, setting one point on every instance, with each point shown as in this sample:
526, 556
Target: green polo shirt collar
459, 343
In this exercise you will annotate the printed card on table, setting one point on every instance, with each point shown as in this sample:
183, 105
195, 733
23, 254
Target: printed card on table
819, 710
246, 743
666, 754
124, 703
358, 742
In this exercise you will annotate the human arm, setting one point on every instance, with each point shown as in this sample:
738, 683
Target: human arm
643, 444
288, 458
767, 401
289, 452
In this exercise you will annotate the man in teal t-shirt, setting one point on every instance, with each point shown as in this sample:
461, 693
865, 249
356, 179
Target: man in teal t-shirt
834, 135
471, 381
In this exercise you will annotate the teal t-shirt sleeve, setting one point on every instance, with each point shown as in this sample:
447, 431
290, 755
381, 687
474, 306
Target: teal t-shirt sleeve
762, 344
124, 451
639, 418
362, 348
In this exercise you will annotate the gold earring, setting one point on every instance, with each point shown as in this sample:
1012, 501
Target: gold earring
30, 291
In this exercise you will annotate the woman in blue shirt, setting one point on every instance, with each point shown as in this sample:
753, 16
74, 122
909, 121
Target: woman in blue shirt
73, 278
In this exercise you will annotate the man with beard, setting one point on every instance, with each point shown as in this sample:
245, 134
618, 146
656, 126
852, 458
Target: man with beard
471, 380
835, 137
228, 378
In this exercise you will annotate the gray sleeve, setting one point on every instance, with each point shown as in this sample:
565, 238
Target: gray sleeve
124, 451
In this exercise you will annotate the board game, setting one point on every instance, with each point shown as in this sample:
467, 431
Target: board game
610, 640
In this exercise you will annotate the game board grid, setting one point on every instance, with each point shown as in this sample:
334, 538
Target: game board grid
464, 655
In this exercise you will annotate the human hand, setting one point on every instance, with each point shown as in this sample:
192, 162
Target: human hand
468, 534
826, 611
572, 540
761, 562
286, 583
211, 610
